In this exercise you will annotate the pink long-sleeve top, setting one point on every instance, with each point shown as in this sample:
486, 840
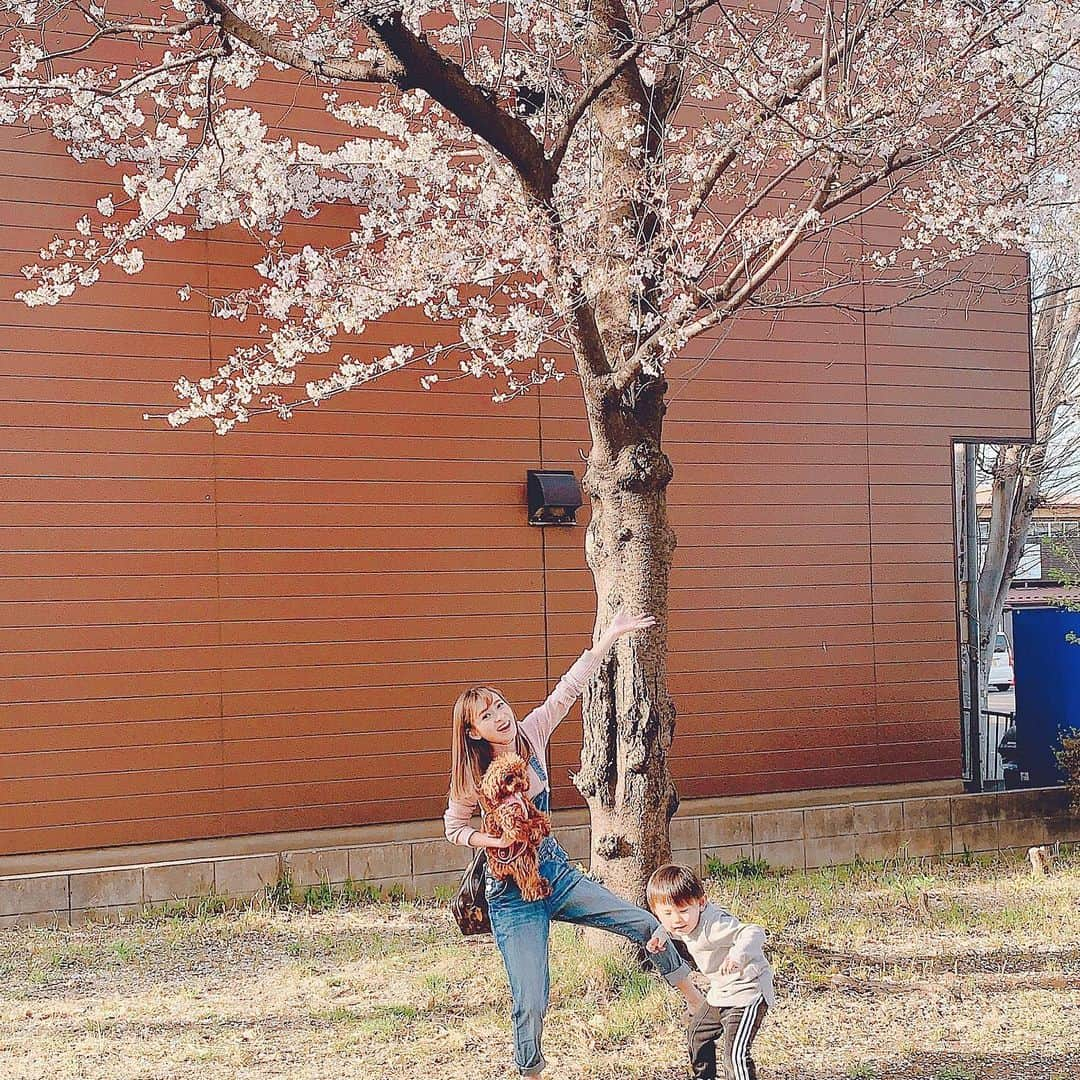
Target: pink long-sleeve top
537, 727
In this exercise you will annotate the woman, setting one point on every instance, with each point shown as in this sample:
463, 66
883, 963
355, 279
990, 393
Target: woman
485, 728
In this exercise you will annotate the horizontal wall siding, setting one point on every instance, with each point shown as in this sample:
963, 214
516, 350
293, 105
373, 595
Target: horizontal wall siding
973, 352
205, 636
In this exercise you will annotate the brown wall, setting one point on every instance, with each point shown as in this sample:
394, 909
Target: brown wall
204, 636
813, 625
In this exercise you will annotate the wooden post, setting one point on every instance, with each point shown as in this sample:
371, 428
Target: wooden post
1039, 857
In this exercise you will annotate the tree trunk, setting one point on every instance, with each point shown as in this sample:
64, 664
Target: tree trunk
1014, 494
629, 717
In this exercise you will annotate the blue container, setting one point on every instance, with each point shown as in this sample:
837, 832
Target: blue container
1047, 670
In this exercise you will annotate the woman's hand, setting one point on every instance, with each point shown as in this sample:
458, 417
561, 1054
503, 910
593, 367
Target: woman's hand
486, 840
622, 624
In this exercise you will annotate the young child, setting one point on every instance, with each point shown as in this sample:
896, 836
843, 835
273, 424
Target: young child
729, 953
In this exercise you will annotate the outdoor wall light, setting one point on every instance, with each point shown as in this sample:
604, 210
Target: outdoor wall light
554, 496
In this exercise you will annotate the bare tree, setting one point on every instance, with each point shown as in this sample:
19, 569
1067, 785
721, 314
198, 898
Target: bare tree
545, 179
1025, 477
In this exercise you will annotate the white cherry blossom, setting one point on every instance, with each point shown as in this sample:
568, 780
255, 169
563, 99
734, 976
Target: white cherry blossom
591, 186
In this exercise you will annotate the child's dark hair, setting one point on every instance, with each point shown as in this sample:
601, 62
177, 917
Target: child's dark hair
674, 884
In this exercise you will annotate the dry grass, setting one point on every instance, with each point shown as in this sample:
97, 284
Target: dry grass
943, 971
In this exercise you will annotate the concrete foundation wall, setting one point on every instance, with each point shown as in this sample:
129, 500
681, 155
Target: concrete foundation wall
792, 836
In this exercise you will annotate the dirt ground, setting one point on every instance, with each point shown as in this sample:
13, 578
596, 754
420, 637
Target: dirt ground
943, 971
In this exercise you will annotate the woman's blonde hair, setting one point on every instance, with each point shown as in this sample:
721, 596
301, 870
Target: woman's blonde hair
470, 757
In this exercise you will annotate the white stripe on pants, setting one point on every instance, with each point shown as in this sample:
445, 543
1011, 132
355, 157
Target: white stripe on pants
741, 1043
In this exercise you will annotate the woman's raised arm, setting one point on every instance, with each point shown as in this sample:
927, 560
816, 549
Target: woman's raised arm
544, 719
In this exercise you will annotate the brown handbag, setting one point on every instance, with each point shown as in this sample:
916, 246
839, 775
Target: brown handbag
470, 906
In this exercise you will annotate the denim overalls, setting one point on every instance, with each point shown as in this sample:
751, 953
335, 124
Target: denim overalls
521, 932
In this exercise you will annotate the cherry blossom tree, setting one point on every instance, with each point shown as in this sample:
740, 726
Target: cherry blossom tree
561, 187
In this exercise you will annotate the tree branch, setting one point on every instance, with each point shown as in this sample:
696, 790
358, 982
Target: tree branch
751, 205
765, 271
116, 29
261, 42
424, 68
183, 61
628, 372
420, 67
611, 72
704, 188
896, 163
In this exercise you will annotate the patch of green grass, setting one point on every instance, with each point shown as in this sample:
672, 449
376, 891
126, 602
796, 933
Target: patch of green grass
123, 950
742, 867
280, 894
620, 1026
572, 969
779, 909
199, 909
637, 986
71, 954
437, 988
330, 896
206, 907
907, 877
339, 1014
581, 979
380, 1021
638, 1004
954, 1072
319, 897
623, 978
386, 1021
828, 883
954, 913
326, 896
862, 1072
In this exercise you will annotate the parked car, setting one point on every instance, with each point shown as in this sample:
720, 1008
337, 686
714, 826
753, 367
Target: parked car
1001, 666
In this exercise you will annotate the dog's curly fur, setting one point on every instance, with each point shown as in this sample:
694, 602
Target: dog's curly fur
510, 813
